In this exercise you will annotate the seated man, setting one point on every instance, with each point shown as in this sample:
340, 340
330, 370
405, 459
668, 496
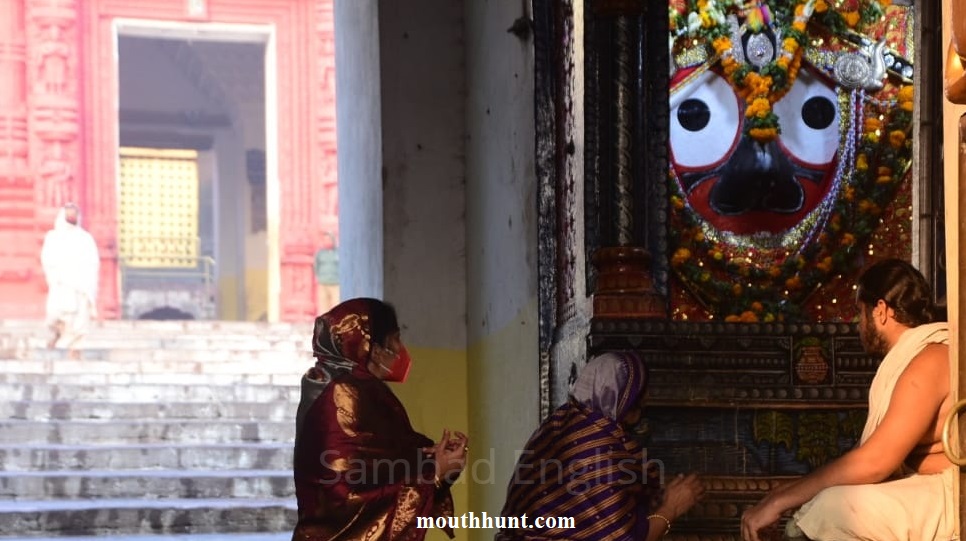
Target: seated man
897, 483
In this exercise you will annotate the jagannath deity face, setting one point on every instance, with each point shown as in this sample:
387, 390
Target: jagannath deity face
742, 185
789, 135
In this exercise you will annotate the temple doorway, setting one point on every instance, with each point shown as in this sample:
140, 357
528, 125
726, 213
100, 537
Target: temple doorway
193, 232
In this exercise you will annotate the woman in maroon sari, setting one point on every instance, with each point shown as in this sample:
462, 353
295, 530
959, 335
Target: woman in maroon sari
361, 471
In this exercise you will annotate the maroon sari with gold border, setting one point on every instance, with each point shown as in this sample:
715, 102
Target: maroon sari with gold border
359, 469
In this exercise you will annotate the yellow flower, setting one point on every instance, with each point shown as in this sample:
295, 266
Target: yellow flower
906, 106
849, 193
883, 180
847, 240
782, 62
861, 162
705, 276
769, 317
825, 265
774, 271
706, 21
790, 45
677, 202
897, 138
794, 282
680, 256
821, 6
722, 44
872, 123
906, 93
757, 306
736, 289
799, 25
851, 18
759, 107
763, 135
872, 137
732, 318
699, 235
748, 317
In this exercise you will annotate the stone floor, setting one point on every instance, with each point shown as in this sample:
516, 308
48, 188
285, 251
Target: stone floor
160, 431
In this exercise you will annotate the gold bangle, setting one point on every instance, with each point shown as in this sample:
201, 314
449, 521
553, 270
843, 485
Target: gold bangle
664, 518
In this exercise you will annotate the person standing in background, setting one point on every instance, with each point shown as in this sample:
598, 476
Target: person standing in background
71, 265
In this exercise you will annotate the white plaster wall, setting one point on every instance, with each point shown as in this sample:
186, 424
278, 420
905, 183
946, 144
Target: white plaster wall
501, 221
360, 150
423, 169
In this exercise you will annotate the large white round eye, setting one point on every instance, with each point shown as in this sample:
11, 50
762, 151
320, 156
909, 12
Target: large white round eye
704, 121
809, 117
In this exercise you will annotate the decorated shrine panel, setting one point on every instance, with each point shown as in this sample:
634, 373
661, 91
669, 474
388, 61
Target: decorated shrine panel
790, 154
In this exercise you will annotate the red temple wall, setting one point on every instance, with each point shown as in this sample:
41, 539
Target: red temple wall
59, 133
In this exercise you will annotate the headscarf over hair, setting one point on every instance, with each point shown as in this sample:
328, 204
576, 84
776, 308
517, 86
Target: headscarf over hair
581, 463
611, 384
343, 336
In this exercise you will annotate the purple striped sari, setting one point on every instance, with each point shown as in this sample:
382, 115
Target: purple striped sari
580, 463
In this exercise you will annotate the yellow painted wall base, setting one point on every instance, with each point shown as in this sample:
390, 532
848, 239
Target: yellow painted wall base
435, 398
228, 298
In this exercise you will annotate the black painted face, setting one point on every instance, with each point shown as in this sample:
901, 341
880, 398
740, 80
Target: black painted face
738, 184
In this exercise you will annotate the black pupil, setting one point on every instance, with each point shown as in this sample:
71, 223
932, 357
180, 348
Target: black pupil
818, 113
694, 115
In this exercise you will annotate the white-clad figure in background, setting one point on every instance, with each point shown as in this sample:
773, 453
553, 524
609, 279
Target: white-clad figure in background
71, 264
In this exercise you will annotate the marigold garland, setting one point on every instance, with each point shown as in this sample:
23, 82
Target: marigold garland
763, 286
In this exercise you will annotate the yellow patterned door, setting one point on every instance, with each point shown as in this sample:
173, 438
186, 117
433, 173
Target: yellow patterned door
158, 214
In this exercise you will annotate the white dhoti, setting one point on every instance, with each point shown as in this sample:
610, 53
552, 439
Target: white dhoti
913, 508
916, 508
69, 312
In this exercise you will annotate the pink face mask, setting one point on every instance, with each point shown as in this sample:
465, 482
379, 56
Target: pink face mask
398, 371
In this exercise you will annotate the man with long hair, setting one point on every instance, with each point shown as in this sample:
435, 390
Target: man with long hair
897, 483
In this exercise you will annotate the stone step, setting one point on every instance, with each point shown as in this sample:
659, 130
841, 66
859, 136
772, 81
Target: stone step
112, 484
153, 370
53, 457
152, 431
185, 358
146, 516
146, 392
75, 410
169, 327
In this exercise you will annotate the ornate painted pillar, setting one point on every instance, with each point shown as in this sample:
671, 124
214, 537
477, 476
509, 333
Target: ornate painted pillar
625, 284
297, 174
325, 215
20, 277
54, 101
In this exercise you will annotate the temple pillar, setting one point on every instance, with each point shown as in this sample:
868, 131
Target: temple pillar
625, 284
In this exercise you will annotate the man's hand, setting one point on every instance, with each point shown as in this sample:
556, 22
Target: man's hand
758, 518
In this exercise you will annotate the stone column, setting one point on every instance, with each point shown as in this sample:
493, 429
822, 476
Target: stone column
625, 285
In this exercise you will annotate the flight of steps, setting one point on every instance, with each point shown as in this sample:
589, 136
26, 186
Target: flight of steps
160, 428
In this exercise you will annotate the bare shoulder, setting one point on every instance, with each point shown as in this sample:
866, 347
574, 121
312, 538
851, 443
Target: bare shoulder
933, 358
927, 373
